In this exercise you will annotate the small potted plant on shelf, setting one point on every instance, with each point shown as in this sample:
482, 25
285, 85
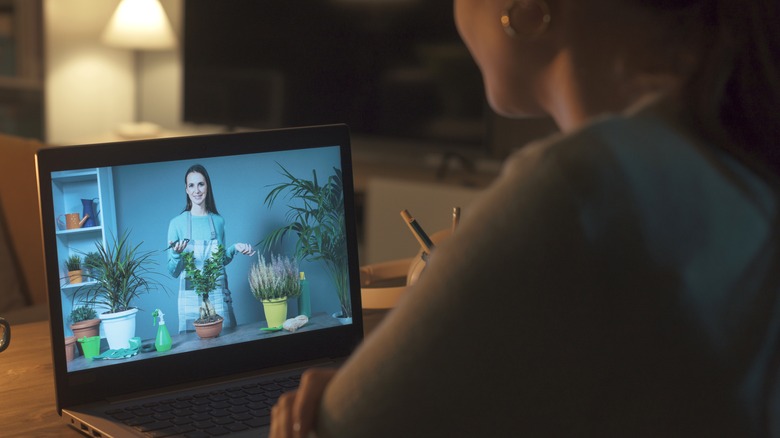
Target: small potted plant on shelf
272, 284
317, 219
120, 273
73, 265
209, 323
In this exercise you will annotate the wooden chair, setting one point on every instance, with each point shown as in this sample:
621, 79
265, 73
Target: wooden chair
21, 217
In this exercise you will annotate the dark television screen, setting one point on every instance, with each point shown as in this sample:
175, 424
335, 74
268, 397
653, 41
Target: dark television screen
387, 68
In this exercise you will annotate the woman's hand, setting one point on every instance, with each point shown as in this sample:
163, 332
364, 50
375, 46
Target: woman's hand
178, 245
295, 413
245, 248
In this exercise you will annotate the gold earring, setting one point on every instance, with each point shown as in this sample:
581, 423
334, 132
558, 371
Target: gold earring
506, 20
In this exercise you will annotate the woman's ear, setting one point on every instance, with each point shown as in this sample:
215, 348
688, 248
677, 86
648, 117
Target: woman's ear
527, 19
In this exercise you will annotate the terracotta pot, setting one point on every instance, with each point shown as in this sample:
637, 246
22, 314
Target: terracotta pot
88, 328
208, 330
74, 277
70, 348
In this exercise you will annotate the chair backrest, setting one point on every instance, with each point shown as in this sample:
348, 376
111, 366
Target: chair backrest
12, 296
19, 205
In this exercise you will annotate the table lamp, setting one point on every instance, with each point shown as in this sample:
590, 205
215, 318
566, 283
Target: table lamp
139, 25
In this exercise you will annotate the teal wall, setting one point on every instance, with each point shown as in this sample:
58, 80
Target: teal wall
148, 196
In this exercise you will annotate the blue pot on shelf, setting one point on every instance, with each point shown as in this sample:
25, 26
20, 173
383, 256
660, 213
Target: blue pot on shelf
89, 209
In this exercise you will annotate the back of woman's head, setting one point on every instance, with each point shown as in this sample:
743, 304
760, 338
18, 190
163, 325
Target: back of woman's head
733, 90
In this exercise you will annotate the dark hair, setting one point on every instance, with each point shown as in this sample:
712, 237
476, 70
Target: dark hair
736, 85
735, 89
211, 205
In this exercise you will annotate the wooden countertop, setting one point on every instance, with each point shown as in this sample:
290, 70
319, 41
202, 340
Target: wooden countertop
27, 406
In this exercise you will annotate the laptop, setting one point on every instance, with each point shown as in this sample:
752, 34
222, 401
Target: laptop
108, 201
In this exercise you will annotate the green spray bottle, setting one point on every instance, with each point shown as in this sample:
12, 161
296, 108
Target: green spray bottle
163, 340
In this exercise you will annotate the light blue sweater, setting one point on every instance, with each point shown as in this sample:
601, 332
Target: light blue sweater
201, 230
616, 281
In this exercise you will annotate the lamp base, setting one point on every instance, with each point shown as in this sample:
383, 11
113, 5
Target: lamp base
138, 130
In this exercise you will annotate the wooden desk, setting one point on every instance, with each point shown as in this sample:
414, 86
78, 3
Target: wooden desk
27, 382
27, 385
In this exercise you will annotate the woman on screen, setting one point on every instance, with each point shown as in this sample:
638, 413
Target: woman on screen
200, 229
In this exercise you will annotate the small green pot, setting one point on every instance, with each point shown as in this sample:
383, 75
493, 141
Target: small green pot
275, 311
90, 346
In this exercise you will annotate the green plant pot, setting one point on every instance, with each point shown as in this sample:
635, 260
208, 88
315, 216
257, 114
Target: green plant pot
90, 346
275, 311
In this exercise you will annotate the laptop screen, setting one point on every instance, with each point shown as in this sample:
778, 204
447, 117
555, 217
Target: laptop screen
182, 258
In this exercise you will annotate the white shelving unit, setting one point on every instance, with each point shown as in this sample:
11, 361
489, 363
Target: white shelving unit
69, 188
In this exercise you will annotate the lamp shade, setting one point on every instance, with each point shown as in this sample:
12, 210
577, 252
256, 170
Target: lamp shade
139, 25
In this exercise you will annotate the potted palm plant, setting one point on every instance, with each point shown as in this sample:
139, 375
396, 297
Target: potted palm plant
317, 219
272, 284
73, 266
120, 273
209, 324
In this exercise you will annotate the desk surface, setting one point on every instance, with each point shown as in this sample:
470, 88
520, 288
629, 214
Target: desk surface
27, 382
27, 385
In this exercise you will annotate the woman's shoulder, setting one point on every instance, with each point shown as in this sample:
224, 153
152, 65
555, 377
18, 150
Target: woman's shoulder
218, 219
622, 170
179, 218
647, 143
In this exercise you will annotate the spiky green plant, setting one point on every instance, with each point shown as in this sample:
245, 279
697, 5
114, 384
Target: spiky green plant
73, 263
205, 280
121, 273
90, 259
274, 280
319, 223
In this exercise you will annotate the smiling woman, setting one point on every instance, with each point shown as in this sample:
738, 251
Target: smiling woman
200, 231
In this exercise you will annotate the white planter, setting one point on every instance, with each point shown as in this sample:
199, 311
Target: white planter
343, 321
119, 327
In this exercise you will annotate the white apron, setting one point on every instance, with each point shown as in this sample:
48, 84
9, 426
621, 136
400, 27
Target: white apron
189, 300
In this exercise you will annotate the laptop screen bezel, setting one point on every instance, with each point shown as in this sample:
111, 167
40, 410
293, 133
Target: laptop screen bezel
121, 379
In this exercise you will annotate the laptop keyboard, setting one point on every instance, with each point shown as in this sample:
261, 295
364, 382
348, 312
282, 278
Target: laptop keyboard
214, 413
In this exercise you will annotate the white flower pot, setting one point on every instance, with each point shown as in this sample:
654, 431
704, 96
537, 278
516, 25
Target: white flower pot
119, 327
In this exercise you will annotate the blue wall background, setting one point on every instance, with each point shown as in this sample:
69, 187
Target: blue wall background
148, 196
